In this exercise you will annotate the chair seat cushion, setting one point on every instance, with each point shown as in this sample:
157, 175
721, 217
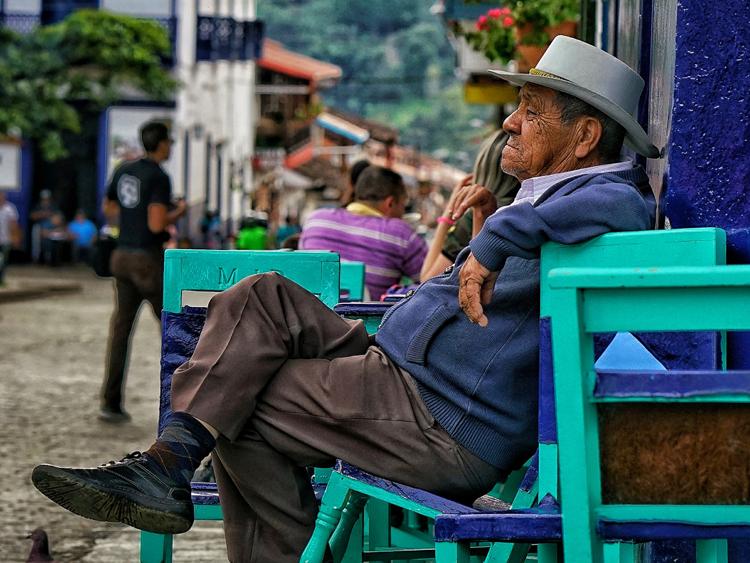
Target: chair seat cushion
541, 524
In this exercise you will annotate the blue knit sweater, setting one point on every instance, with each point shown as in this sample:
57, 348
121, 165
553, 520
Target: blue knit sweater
481, 384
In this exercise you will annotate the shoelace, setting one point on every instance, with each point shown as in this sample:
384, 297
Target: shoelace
130, 456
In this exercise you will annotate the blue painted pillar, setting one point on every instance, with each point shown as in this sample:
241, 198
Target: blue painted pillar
708, 177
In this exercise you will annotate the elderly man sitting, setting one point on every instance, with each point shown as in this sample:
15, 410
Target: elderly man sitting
446, 398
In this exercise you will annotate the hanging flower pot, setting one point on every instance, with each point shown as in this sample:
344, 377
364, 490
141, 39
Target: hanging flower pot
532, 42
538, 23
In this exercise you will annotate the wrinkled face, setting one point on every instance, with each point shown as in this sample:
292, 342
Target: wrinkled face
539, 142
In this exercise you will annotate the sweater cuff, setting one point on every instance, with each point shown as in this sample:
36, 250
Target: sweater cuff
491, 251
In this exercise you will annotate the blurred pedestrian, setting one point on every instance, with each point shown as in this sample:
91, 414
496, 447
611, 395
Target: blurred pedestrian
370, 230
10, 234
253, 233
290, 227
211, 230
82, 234
141, 193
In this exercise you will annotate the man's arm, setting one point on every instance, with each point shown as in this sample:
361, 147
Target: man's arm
520, 230
159, 217
111, 209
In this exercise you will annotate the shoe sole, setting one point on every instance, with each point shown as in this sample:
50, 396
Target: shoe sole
89, 501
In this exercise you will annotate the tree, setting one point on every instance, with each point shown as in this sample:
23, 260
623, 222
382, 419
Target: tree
88, 58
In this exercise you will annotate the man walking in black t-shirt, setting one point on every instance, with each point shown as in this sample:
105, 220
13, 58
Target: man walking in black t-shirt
140, 192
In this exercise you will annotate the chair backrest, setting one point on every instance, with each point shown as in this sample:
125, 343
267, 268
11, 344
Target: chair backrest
352, 280
587, 300
694, 247
191, 277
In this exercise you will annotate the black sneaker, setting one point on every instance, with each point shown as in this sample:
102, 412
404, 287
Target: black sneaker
113, 416
131, 491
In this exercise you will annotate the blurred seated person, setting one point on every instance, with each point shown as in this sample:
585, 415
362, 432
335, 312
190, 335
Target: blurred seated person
292, 242
253, 234
290, 227
370, 230
474, 199
356, 169
55, 241
41, 219
82, 233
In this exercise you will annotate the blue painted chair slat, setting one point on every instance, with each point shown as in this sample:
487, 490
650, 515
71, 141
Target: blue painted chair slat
674, 385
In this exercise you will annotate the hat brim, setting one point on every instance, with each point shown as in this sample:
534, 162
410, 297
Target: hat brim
635, 136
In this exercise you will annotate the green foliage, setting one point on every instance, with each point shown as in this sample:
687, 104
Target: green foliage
85, 59
396, 63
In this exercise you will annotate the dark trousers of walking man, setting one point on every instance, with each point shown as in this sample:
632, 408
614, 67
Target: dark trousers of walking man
138, 277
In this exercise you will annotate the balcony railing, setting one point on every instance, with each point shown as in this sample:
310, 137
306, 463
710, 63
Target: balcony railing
223, 38
20, 22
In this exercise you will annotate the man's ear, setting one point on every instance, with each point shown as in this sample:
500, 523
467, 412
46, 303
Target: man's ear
589, 132
388, 203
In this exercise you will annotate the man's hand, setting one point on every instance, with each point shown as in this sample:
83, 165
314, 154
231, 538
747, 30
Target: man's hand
475, 289
474, 196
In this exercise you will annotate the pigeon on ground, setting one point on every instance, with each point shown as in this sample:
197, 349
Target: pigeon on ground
39, 548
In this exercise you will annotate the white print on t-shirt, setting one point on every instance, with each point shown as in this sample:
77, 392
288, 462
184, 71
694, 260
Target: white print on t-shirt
129, 191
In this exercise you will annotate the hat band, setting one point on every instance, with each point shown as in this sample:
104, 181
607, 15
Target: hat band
537, 72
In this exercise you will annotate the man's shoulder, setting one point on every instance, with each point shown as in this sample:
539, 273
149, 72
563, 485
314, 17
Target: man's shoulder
140, 167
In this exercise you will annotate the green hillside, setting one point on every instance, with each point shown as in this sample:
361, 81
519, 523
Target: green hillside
398, 67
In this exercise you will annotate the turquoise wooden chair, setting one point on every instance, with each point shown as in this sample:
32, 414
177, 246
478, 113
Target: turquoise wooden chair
352, 281
351, 488
191, 278
587, 300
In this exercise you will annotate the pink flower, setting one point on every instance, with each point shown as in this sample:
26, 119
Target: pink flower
482, 23
504, 11
495, 13
508, 21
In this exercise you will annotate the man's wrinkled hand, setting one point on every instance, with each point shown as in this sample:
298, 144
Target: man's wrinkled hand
476, 284
473, 196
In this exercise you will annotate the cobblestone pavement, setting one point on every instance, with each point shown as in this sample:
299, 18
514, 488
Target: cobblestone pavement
51, 360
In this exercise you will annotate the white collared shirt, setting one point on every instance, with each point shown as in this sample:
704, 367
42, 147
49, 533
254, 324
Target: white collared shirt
533, 188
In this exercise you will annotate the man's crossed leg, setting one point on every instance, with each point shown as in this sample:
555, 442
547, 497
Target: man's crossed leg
287, 384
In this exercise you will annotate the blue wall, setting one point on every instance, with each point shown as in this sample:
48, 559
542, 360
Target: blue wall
708, 177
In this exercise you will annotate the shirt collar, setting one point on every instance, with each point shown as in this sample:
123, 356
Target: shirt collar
363, 209
533, 188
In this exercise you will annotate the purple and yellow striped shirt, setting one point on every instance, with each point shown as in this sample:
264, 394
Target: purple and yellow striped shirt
389, 247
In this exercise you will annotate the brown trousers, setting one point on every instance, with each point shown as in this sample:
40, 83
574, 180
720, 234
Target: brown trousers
290, 384
138, 277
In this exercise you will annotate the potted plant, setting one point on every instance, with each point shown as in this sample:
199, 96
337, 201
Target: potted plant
538, 22
493, 35
521, 29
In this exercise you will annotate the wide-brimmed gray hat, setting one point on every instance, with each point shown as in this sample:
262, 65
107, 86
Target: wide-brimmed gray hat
594, 76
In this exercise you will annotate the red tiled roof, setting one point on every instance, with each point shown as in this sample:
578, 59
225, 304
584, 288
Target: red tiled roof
277, 58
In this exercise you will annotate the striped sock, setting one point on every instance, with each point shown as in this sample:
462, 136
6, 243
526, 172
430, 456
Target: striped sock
181, 447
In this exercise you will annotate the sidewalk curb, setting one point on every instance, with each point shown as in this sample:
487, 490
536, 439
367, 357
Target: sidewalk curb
21, 290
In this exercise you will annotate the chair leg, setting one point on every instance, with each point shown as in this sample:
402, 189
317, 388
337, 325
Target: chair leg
620, 552
711, 551
547, 553
329, 514
507, 553
156, 548
349, 516
451, 552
